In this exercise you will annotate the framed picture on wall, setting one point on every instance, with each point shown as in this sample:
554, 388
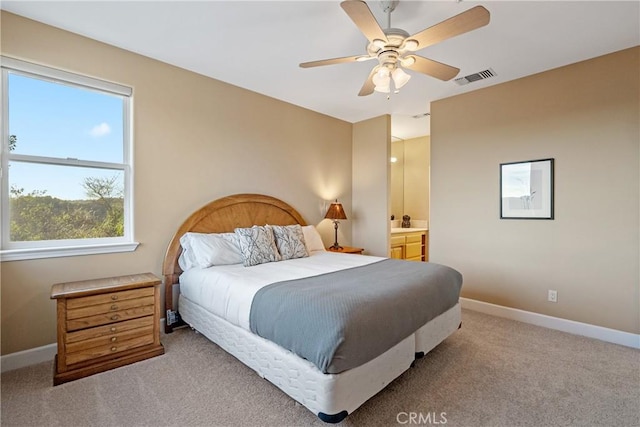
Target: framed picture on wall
526, 189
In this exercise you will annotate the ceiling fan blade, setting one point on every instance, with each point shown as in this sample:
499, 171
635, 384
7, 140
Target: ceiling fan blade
433, 68
331, 61
464, 22
361, 15
368, 86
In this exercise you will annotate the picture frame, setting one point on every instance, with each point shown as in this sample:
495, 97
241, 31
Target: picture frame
526, 189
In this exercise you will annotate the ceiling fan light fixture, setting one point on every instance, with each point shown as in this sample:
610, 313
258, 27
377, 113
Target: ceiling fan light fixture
382, 85
381, 74
383, 89
382, 80
408, 61
400, 78
363, 58
379, 43
411, 45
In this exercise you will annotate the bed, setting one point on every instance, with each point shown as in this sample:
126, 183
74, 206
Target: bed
233, 306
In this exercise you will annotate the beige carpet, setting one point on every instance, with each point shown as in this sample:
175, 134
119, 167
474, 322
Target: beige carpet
492, 372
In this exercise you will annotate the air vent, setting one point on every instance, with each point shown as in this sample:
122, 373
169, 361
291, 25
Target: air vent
419, 116
475, 77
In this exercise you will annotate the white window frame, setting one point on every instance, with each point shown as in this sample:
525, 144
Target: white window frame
13, 251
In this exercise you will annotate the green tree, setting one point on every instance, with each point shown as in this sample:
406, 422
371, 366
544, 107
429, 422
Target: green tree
12, 142
109, 194
37, 216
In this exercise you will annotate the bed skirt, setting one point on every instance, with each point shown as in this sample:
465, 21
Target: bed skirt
330, 396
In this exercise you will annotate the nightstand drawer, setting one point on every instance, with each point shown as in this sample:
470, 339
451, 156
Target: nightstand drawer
111, 297
104, 350
114, 339
103, 319
108, 330
110, 307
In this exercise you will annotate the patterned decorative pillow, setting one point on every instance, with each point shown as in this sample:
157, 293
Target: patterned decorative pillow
290, 241
257, 245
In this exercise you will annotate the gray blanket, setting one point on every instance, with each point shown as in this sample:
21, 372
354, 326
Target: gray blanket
343, 319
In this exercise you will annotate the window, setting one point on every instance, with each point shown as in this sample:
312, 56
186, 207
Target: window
66, 164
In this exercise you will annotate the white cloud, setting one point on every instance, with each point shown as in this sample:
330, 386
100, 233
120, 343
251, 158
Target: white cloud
100, 130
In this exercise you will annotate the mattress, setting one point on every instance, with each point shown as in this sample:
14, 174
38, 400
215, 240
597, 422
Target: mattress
228, 290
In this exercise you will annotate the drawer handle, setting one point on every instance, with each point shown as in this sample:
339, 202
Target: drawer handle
114, 339
115, 317
114, 307
113, 329
114, 348
114, 297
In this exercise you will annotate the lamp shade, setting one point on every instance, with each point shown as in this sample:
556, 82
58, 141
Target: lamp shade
335, 211
400, 78
382, 79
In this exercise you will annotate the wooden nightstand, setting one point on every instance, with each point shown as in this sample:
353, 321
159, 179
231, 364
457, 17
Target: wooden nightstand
347, 250
106, 323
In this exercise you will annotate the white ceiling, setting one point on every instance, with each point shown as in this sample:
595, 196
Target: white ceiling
258, 45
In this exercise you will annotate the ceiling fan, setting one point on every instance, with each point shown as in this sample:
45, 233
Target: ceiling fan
394, 48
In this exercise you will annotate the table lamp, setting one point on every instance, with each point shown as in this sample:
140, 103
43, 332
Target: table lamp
335, 213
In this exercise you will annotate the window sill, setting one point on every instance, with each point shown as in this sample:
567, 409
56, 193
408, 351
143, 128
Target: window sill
37, 253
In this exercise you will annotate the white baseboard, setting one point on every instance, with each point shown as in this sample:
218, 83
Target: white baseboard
33, 356
577, 328
46, 353
20, 359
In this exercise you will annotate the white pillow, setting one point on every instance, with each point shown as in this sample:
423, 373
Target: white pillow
290, 241
257, 245
312, 239
200, 250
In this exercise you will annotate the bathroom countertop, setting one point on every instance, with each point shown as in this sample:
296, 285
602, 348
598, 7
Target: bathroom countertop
407, 230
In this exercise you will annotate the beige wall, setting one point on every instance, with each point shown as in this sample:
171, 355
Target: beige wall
195, 140
584, 115
396, 176
417, 153
371, 183
410, 178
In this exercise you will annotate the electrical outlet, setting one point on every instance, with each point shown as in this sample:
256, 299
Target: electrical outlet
553, 296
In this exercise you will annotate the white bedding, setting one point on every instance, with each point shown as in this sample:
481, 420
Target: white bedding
228, 290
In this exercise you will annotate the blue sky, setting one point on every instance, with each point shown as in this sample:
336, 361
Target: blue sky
61, 121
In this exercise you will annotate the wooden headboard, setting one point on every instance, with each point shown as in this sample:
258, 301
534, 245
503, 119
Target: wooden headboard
222, 216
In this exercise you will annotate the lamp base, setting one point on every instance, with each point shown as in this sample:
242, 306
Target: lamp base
335, 246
